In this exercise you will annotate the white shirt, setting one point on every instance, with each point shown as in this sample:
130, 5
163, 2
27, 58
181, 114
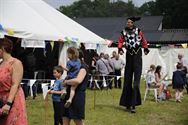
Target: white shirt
150, 77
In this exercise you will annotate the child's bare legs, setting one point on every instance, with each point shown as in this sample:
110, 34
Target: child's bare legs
64, 92
160, 90
79, 122
177, 95
181, 93
72, 93
66, 121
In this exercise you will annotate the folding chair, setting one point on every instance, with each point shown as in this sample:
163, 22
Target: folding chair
148, 88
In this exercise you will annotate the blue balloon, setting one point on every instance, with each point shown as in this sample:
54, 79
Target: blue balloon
1, 27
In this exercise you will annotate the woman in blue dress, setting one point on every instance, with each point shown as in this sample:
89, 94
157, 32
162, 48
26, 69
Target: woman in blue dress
76, 111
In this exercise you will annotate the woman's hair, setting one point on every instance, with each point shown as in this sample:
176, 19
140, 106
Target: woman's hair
179, 66
81, 56
6, 44
74, 52
59, 69
157, 70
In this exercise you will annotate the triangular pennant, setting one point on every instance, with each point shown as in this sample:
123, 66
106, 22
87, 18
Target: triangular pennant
10, 32
44, 90
1, 28
52, 45
104, 82
31, 82
118, 77
184, 45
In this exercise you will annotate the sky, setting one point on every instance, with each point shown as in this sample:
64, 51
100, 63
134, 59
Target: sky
57, 3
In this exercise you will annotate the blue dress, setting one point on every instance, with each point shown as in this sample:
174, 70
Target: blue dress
178, 79
77, 108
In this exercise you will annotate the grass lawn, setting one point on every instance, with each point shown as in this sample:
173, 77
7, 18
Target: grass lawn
108, 112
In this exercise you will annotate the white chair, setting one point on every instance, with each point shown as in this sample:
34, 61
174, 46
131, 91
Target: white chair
150, 89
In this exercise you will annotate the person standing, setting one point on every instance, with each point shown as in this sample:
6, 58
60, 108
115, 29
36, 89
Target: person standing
134, 40
73, 67
56, 95
118, 66
76, 111
13, 109
102, 70
178, 82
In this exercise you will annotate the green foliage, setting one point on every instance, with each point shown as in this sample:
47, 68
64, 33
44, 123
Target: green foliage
108, 112
175, 12
148, 8
99, 8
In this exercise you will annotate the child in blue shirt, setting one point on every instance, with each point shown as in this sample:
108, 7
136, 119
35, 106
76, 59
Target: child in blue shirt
72, 68
56, 95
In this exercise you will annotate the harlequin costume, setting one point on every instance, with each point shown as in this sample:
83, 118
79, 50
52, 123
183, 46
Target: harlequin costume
134, 40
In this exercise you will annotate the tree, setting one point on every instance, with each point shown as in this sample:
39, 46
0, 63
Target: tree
99, 8
175, 13
148, 8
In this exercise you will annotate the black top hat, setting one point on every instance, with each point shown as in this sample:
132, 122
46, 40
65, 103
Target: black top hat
134, 18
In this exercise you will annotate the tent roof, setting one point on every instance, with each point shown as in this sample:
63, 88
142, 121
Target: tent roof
35, 19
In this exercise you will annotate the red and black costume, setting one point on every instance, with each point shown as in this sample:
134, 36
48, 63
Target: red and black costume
134, 40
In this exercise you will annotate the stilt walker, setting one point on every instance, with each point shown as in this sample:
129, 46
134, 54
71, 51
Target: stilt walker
134, 40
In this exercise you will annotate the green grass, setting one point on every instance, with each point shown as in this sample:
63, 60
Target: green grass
108, 112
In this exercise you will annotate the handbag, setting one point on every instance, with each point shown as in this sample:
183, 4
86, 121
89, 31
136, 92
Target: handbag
168, 94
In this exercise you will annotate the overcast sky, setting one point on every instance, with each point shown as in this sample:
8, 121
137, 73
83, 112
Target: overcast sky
57, 3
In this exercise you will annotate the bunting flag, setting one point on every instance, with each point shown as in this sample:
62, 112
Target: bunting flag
104, 82
1, 28
118, 77
109, 42
31, 82
74, 40
52, 45
184, 45
44, 90
52, 83
97, 85
10, 31
67, 40
91, 80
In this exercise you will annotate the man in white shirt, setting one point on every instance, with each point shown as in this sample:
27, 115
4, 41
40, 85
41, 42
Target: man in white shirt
118, 66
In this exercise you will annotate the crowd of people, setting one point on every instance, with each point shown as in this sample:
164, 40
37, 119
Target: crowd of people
107, 67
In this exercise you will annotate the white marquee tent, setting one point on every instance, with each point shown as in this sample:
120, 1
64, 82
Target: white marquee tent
35, 19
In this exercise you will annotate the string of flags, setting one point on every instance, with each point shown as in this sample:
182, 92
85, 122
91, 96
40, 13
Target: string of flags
68, 40
9, 31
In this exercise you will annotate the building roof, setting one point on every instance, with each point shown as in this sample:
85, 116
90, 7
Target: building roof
110, 28
172, 36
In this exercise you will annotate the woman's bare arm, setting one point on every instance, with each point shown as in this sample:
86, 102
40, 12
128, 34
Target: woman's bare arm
17, 75
78, 79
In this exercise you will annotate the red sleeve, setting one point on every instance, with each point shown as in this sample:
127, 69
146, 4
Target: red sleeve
144, 41
121, 41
